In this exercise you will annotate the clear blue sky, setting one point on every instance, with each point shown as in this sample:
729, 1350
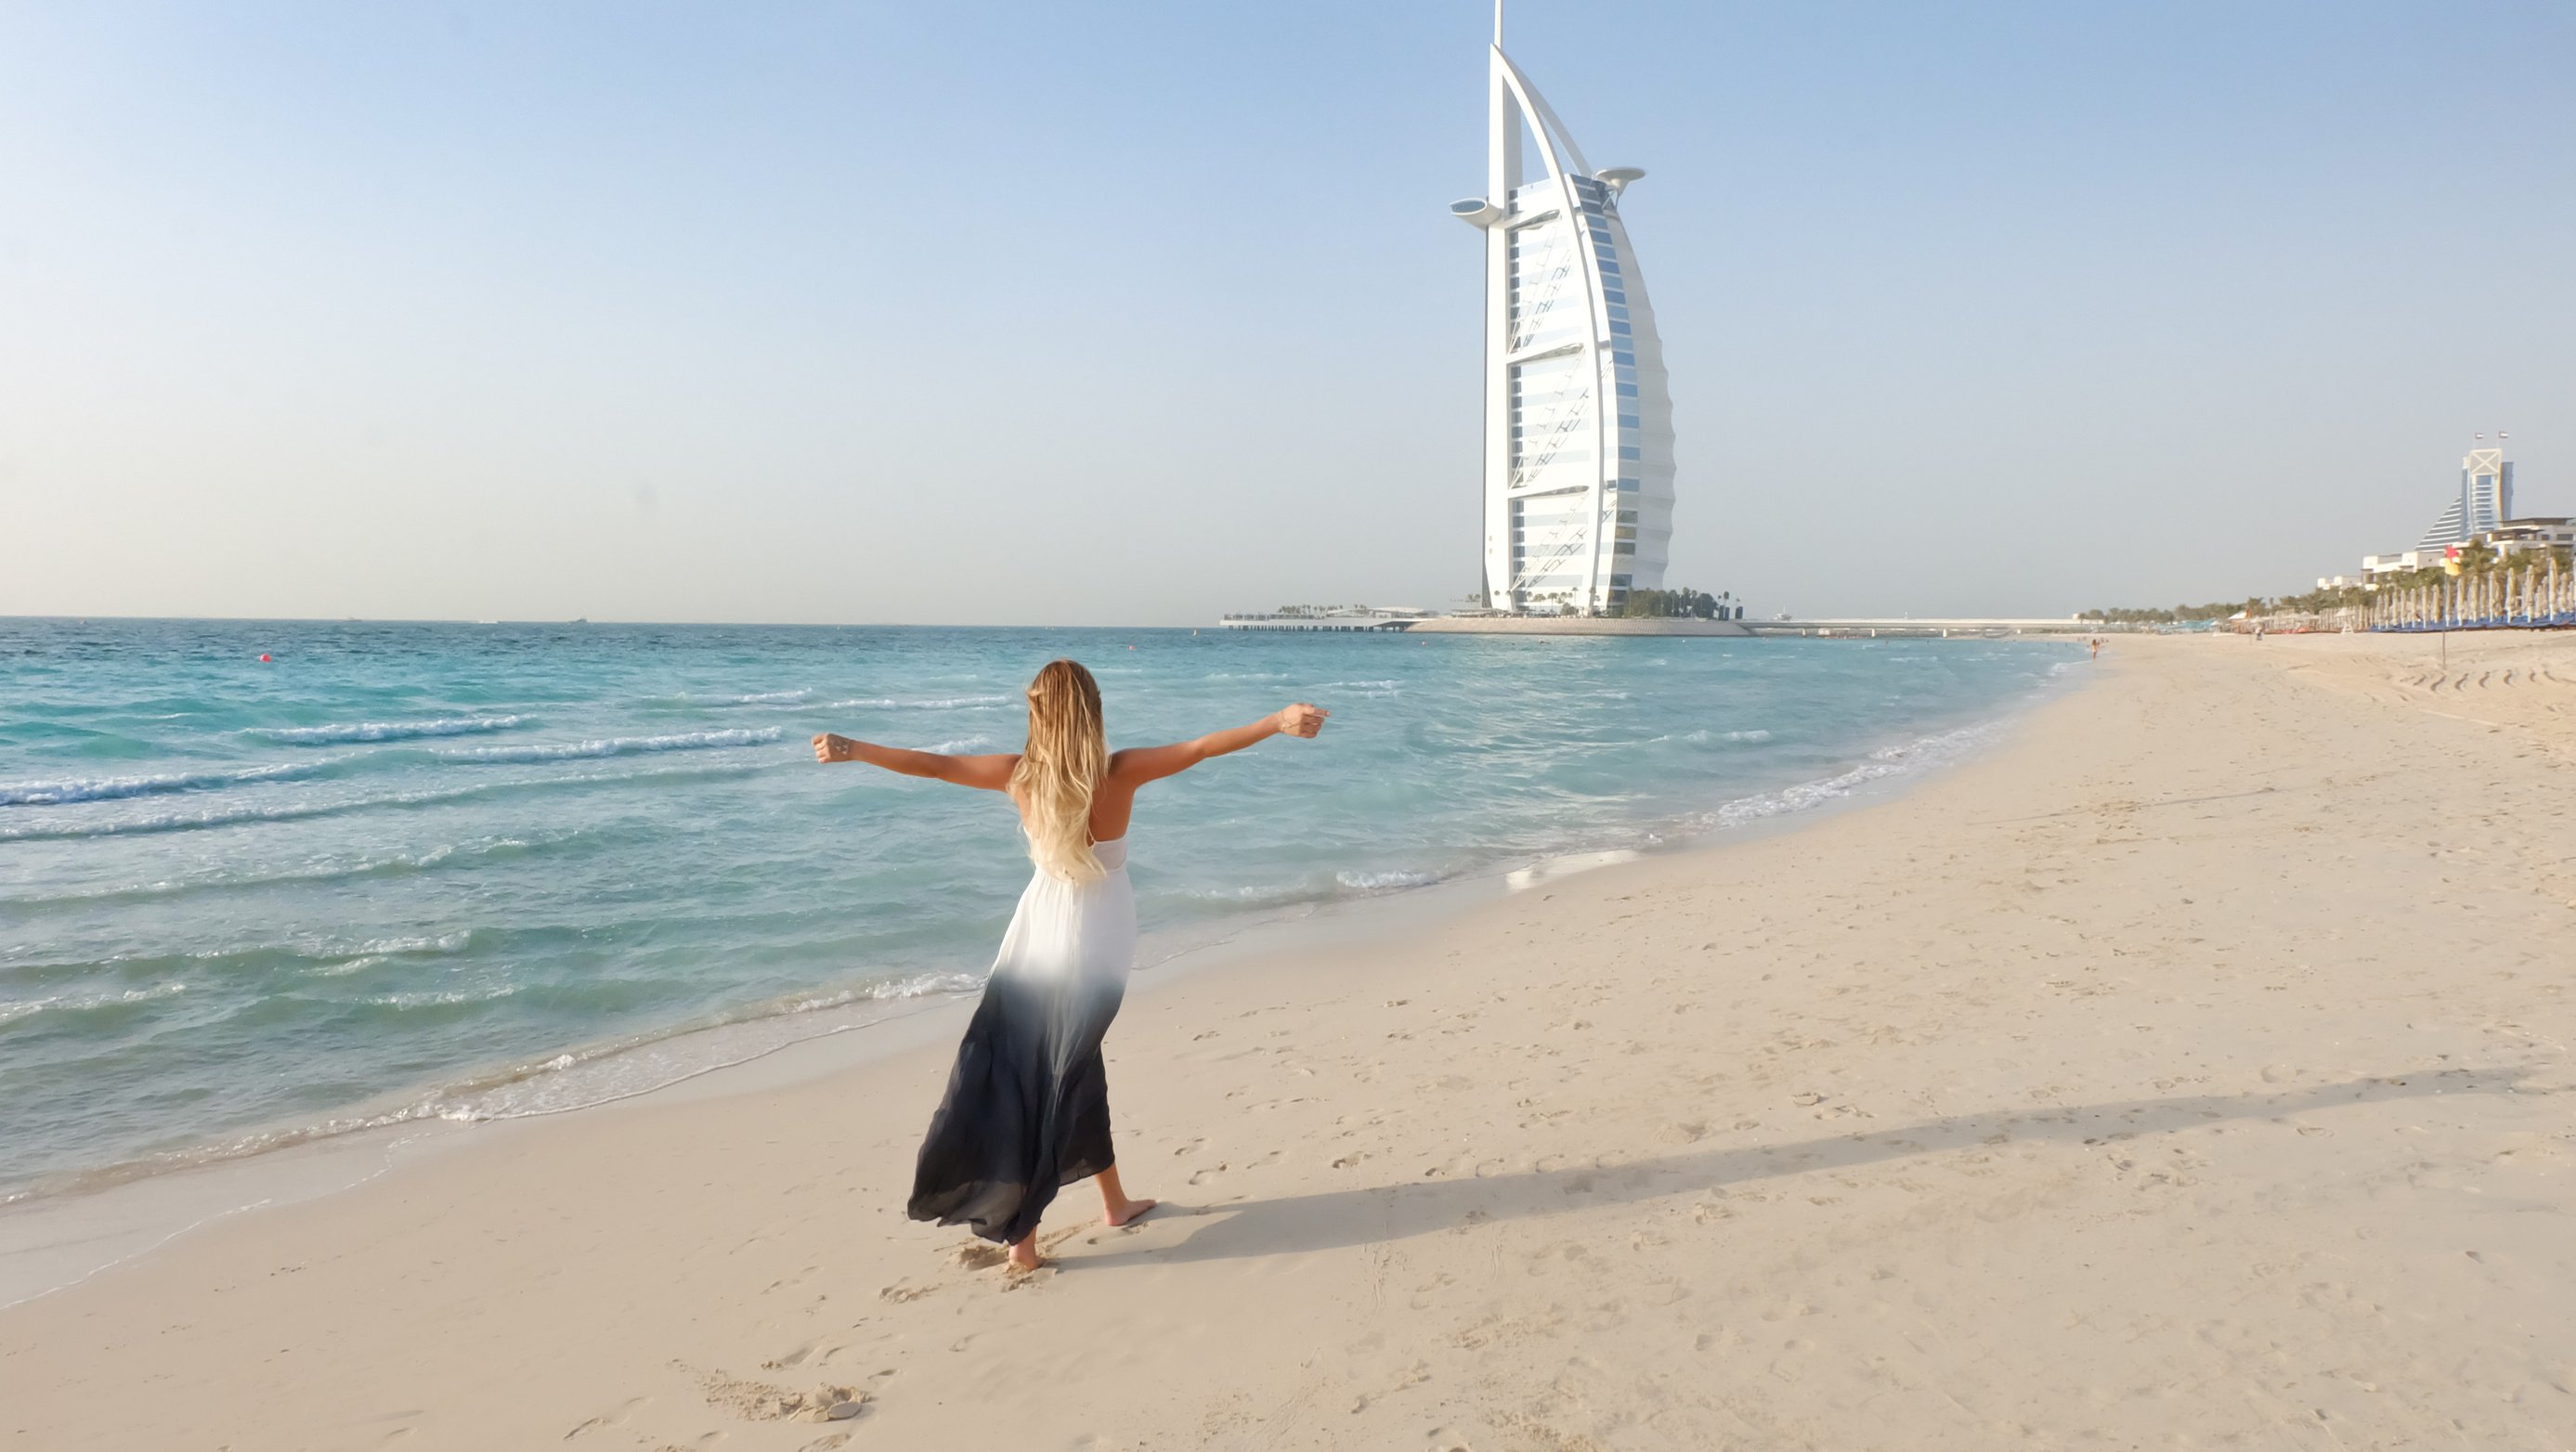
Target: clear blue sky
1140, 312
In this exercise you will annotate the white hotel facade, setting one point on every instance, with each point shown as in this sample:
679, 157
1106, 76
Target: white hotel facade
1578, 490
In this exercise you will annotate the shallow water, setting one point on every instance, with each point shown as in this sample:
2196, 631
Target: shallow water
424, 869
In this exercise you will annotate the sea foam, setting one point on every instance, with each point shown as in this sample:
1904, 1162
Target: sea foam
1385, 881
396, 801
448, 854
964, 746
87, 1003
755, 698
931, 703
113, 788
615, 746
363, 731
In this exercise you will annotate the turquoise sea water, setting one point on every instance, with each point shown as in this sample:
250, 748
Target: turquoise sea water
473, 870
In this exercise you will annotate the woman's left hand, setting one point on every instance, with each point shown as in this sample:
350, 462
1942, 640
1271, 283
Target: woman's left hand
829, 748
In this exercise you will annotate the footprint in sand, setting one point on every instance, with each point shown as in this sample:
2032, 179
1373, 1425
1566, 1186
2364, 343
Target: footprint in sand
1414, 1376
761, 1401
605, 1420
1015, 1279
1097, 1233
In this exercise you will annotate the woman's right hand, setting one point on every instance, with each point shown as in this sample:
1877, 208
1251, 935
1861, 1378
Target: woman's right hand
829, 748
1301, 720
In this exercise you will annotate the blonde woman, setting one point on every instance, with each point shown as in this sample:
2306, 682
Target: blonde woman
1027, 1108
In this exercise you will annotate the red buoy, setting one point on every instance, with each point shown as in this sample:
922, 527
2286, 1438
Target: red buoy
263, 658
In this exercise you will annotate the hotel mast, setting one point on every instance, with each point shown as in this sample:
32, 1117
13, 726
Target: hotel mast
1578, 423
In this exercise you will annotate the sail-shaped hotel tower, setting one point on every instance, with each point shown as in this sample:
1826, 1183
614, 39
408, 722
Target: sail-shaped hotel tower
1578, 502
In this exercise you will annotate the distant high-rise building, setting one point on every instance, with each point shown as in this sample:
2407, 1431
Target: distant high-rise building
1578, 498
2485, 500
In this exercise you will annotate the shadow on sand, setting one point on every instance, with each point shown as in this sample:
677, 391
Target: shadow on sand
1343, 1218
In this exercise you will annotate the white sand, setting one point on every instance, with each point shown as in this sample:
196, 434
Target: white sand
2193, 1071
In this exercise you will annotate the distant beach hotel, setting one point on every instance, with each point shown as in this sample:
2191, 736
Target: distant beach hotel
2484, 503
1578, 498
2478, 517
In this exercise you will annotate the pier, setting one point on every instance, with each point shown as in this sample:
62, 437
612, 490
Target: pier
1906, 627
1393, 620
1352, 617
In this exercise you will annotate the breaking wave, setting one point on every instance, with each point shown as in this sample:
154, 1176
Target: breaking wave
616, 746
113, 788
305, 811
385, 730
934, 703
1384, 881
964, 745
396, 864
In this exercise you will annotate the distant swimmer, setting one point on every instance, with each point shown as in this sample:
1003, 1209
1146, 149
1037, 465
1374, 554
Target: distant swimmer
2096, 643
1027, 1107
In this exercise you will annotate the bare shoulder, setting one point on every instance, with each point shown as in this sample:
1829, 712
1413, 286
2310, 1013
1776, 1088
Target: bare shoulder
1137, 765
990, 773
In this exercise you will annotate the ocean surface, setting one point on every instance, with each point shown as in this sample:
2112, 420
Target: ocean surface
466, 871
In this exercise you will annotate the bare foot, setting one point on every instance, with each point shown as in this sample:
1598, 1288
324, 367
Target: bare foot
1115, 1208
1024, 1255
1124, 1211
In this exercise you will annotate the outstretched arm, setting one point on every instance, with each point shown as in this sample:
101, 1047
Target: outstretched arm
1141, 764
991, 773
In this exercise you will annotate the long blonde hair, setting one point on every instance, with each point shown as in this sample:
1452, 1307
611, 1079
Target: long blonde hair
1067, 755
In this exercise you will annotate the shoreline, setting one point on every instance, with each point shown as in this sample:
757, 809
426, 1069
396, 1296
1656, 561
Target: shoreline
50, 1235
217, 960
2173, 1073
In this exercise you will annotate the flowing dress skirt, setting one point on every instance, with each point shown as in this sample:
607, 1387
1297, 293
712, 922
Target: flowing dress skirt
1027, 1107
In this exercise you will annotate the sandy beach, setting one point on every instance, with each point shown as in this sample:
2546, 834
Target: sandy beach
2191, 1070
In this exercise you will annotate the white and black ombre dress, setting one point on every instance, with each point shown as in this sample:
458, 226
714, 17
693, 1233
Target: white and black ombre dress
1027, 1108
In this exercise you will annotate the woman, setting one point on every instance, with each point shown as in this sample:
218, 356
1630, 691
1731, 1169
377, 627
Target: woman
1027, 1108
